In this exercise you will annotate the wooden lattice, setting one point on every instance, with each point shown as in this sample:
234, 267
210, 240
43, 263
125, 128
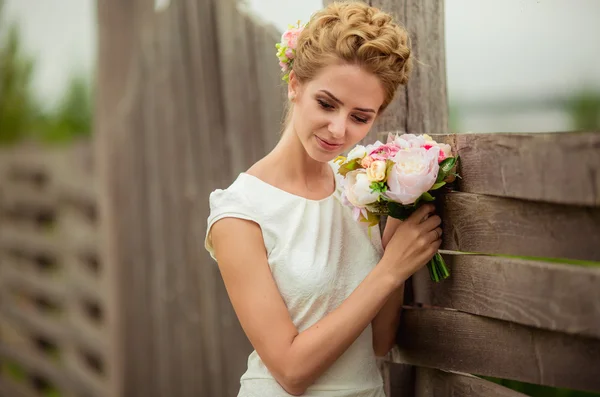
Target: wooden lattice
52, 308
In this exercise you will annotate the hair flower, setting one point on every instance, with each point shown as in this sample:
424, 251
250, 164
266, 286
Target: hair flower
286, 49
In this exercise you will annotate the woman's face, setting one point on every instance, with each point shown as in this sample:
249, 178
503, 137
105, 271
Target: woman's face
335, 110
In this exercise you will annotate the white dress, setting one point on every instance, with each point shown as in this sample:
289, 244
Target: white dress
318, 254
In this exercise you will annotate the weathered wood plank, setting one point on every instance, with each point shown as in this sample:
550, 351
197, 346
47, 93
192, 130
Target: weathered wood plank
552, 167
477, 223
401, 379
37, 363
557, 297
434, 383
10, 388
94, 384
32, 284
59, 331
271, 88
29, 241
451, 340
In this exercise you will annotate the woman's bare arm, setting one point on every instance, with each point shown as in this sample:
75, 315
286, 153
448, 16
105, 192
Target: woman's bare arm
386, 322
295, 359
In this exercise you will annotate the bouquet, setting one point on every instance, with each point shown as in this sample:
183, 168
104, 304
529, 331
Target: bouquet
395, 178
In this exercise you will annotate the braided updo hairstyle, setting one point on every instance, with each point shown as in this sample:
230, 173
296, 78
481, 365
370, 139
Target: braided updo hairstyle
358, 34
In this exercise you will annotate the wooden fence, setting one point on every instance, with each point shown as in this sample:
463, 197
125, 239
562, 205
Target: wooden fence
187, 97
532, 314
52, 292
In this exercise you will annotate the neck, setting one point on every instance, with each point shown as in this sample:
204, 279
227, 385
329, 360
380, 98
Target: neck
294, 163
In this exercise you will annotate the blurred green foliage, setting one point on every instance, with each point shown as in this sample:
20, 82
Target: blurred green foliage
17, 107
21, 115
584, 110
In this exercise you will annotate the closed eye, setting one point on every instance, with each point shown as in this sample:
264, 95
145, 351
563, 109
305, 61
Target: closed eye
324, 104
361, 119
328, 107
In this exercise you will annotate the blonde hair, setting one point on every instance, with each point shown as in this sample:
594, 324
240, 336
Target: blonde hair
355, 33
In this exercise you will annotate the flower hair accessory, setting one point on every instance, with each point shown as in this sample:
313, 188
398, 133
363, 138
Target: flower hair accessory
286, 50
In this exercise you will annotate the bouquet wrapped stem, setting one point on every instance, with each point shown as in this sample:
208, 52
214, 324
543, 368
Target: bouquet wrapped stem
395, 178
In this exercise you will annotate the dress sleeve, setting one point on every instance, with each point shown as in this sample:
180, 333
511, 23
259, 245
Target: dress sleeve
226, 204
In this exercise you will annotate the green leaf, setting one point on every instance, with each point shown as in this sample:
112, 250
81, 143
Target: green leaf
349, 166
427, 197
445, 168
437, 185
378, 187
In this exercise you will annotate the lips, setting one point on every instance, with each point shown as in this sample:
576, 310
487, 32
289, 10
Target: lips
328, 143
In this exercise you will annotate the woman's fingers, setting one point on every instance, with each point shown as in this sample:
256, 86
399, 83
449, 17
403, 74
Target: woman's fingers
436, 234
422, 213
431, 223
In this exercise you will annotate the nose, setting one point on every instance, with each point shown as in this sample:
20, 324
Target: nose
337, 126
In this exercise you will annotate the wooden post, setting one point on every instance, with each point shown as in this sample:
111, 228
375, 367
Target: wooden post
166, 135
420, 108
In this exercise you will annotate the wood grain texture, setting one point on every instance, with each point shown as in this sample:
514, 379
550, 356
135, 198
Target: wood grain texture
455, 341
421, 106
544, 295
478, 223
185, 120
36, 363
435, 383
10, 388
401, 379
552, 167
58, 331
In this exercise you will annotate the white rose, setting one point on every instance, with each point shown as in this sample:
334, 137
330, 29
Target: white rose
407, 141
376, 171
414, 172
358, 189
357, 153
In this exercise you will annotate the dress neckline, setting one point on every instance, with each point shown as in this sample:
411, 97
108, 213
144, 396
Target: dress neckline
335, 181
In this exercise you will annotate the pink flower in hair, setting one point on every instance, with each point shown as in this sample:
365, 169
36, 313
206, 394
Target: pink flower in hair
290, 37
286, 50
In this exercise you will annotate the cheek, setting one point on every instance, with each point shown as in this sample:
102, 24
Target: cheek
358, 132
311, 119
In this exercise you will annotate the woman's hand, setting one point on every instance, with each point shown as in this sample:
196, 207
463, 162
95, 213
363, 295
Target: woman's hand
391, 225
414, 242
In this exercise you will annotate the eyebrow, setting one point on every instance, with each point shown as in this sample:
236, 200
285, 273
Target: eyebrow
342, 103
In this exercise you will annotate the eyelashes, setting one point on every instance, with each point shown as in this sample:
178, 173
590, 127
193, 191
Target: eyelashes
328, 107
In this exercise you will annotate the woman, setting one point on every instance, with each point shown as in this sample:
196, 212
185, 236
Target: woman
317, 295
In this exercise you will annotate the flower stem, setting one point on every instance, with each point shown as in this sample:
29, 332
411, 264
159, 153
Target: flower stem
438, 270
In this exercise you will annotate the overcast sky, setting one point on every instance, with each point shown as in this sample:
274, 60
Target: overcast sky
495, 49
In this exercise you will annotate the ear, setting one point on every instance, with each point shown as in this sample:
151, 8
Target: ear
293, 86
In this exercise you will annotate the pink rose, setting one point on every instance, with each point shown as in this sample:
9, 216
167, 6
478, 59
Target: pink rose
284, 66
289, 53
384, 152
445, 151
290, 37
414, 173
366, 161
